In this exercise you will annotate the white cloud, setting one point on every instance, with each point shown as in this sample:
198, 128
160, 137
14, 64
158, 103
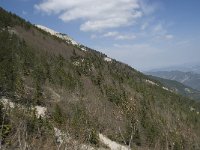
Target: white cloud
148, 7
160, 32
97, 15
24, 0
24, 13
125, 37
144, 26
183, 43
169, 36
118, 36
159, 29
145, 48
111, 34
93, 36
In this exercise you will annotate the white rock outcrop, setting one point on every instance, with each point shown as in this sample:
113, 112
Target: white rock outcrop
7, 103
112, 144
151, 82
59, 35
40, 111
108, 59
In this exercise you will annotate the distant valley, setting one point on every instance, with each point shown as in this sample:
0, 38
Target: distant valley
191, 67
178, 88
190, 79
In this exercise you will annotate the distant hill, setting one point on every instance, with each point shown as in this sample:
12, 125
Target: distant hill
187, 78
179, 88
189, 67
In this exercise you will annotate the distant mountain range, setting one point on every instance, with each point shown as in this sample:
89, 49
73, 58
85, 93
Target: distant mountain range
189, 67
178, 88
190, 79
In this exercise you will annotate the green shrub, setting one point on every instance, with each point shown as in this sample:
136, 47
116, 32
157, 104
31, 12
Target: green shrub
58, 115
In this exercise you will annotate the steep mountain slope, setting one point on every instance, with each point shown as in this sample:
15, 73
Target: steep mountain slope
59, 95
179, 88
187, 78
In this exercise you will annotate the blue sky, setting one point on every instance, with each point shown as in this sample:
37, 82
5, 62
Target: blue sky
145, 34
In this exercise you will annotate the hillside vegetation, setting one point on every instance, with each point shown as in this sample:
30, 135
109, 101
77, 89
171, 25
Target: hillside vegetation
82, 95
